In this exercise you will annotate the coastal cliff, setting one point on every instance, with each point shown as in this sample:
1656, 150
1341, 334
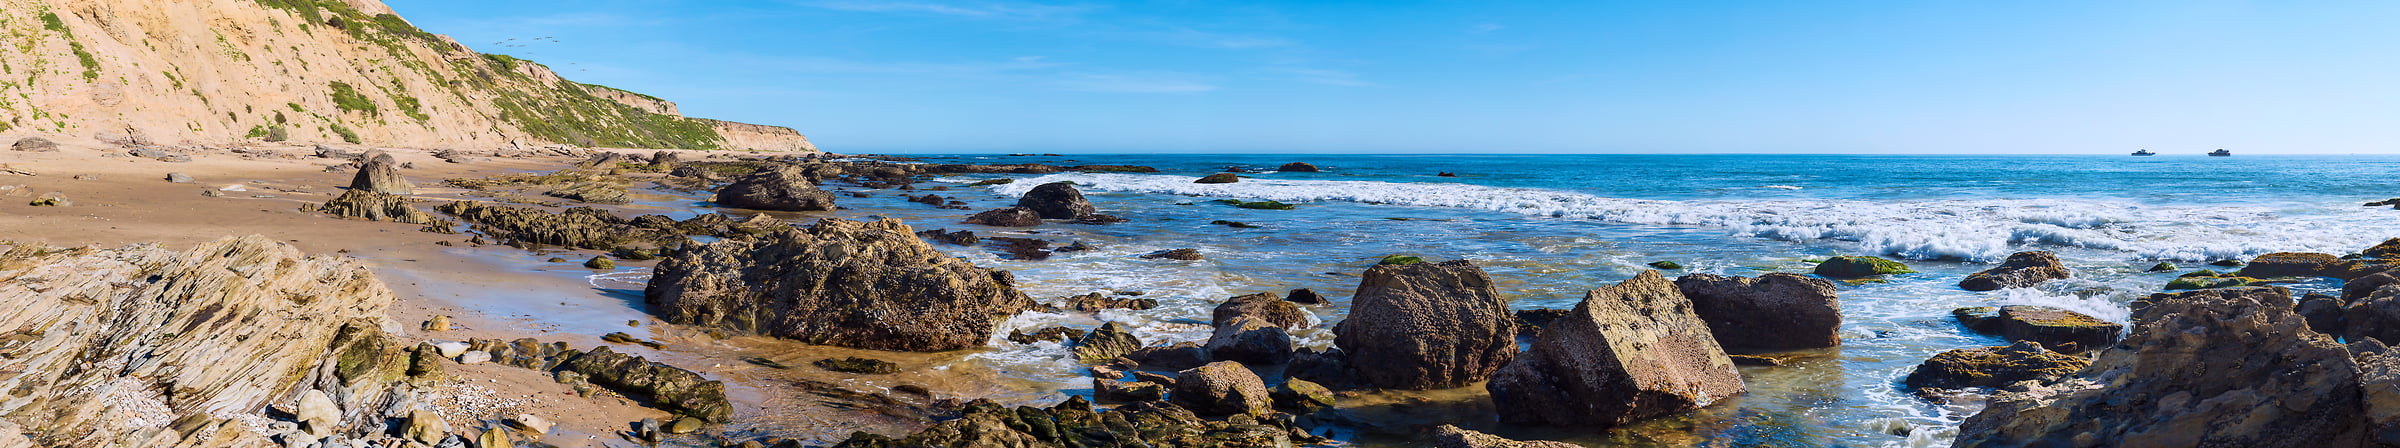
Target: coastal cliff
234, 71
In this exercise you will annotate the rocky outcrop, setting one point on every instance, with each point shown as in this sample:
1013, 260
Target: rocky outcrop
1057, 200
580, 227
855, 284
1297, 167
1861, 266
1007, 217
1250, 341
1222, 388
1096, 302
107, 347
1627, 352
2304, 264
381, 176
780, 190
2379, 390
1426, 326
373, 206
2223, 367
2022, 270
1263, 306
1447, 436
1219, 178
1109, 341
2067, 331
1774, 312
1992, 368
759, 137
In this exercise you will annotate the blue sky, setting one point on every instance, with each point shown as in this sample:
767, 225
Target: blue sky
1489, 77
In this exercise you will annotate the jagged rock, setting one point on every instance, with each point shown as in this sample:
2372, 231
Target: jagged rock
592, 192
236, 323
1264, 306
2388, 249
1301, 396
1061, 334
373, 206
2324, 313
2222, 367
1531, 322
1076, 423
1860, 266
34, 144
381, 176
436, 324
1170, 357
780, 189
665, 160
2022, 270
1426, 326
2377, 315
667, 387
1298, 167
1219, 178
1057, 200
1992, 367
1095, 302
1186, 254
1251, 341
2379, 390
839, 282
51, 199
1007, 217
1109, 341
2068, 331
1774, 312
1222, 388
1447, 436
1628, 352
1304, 296
1113, 391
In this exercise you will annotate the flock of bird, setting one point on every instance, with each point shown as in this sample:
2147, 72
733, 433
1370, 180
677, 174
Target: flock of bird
513, 43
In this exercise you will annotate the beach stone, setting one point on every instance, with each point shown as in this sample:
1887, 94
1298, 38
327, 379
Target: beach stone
1113, 391
179, 178
1263, 306
2022, 270
1305, 296
648, 430
686, 425
51, 199
437, 323
600, 263
1773, 312
1222, 388
1628, 352
1109, 341
1860, 266
1426, 326
381, 176
451, 349
2164, 266
775, 189
2068, 331
1007, 217
2196, 363
871, 285
425, 426
1057, 200
34, 144
1992, 367
1250, 341
1301, 396
530, 424
475, 357
1449, 436
493, 438
1179, 356
1219, 178
318, 414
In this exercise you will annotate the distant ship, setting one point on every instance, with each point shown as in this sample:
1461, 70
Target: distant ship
2144, 152
2221, 153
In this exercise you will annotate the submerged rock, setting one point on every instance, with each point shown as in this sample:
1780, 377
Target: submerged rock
1628, 352
957, 238
1305, 296
1774, 312
1219, 178
1095, 302
1992, 367
1057, 200
870, 285
2022, 270
1860, 266
1007, 217
1185, 254
2223, 367
868, 366
778, 189
1426, 326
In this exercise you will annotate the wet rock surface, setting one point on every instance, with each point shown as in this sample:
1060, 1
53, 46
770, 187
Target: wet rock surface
1630, 351
2066, 331
778, 189
2022, 270
1007, 217
871, 285
1861, 266
1773, 312
1250, 341
1222, 388
1262, 306
1448, 436
1992, 367
1057, 200
1426, 326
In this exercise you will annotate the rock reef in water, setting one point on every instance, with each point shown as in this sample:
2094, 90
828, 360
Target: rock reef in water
871, 285
1057, 200
1861, 266
2022, 270
1426, 326
775, 189
1627, 352
189, 337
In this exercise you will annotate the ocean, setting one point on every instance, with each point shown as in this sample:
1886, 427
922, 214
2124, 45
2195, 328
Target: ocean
1550, 227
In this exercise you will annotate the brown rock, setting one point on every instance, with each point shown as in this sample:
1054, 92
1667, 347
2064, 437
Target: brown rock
1992, 367
1263, 306
1222, 388
1426, 326
1095, 302
775, 189
1774, 312
1109, 341
1250, 341
1448, 436
1627, 352
1219, 178
838, 282
1056, 200
2022, 270
2303, 264
2069, 331
34, 144
1177, 254
1007, 217
1170, 357
1298, 167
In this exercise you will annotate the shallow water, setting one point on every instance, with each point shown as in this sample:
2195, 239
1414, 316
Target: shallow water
1548, 228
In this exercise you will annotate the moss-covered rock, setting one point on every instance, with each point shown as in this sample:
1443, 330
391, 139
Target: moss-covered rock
1399, 260
1219, 178
1666, 265
600, 263
867, 366
1991, 367
1860, 266
664, 386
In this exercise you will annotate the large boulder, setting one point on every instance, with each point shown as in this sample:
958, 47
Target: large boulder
1774, 312
1298, 167
1007, 217
2221, 367
1222, 388
1264, 306
1992, 367
1251, 341
1627, 352
1108, 342
1427, 326
776, 189
1056, 200
871, 285
2022, 270
381, 176
373, 206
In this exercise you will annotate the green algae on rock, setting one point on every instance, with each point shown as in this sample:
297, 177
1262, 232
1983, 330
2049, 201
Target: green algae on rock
1860, 266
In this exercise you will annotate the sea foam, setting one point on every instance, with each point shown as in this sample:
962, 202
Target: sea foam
1982, 230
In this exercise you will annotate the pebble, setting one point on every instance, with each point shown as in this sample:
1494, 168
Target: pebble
475, 357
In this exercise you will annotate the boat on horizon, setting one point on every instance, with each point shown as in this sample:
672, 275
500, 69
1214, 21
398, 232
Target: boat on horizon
2144, 152
2221, 153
